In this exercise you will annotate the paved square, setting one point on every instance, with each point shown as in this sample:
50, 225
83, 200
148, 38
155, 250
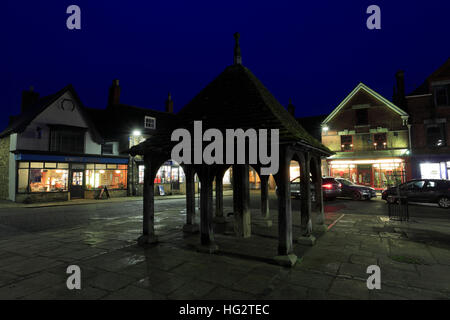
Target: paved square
37, 245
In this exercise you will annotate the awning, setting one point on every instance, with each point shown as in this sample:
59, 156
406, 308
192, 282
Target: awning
62, 158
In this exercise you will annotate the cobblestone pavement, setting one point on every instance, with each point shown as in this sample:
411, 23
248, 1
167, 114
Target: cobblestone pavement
414, 258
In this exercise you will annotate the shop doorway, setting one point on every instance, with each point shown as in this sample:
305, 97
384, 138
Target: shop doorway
76, 185
364, 172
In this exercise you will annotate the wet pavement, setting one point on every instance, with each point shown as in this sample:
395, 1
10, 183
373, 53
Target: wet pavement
38, 244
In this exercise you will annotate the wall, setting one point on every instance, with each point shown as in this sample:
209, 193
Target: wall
4, 167
42, 197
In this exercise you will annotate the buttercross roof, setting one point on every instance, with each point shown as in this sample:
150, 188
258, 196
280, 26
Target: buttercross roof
362, 87
237, 99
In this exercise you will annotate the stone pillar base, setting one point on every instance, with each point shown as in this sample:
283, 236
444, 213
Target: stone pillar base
307, 241
220, 220
286, 261
147, 239
210, 248
191, 228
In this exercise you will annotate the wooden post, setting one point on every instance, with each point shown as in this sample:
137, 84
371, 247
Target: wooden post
190, 226
206, 213
285, 257
241, 201
148, 228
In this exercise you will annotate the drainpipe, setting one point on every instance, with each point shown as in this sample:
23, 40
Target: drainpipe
409, 138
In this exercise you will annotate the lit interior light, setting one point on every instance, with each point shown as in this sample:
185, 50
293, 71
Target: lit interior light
102, 171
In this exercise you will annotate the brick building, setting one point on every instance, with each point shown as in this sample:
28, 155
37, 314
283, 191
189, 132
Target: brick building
370, 138
429, 108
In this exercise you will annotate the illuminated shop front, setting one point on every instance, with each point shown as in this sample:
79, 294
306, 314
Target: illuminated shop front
170, 176
49, 177
435, 170
112, 176
378, 173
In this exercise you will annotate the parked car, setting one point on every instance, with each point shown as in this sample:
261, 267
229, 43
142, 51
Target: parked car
330, 188
355, 191
422, 190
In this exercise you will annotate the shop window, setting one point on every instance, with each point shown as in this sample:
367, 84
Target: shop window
24, 165
436, 135
170, 173
110, 176
67, 140
22, 181
42, 177
362, 117
141, 174
346, 143
441, 96
380, 141
48, 180
430, 171
150, 122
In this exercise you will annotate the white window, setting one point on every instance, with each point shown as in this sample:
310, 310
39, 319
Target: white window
150, 122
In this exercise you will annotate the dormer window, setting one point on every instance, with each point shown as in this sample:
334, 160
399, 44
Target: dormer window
149, 123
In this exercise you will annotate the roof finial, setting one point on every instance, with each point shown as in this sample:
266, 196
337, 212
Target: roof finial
237, 50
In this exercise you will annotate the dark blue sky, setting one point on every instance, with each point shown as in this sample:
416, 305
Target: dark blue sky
313, 52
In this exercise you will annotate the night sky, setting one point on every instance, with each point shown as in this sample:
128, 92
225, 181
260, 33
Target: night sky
314, 52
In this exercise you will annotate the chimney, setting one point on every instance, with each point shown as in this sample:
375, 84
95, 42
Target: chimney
114, 93
29, 98
400, 94
237, 50
169, 104
291, 108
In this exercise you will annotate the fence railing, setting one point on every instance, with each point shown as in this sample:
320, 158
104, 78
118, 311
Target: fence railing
398, 208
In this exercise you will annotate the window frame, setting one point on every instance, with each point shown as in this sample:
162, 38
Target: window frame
380, 144
43, 167
446, 89
343, 145
148, 126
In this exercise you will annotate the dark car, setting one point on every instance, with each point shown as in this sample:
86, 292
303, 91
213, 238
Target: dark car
331, 188
355, 191
422, 190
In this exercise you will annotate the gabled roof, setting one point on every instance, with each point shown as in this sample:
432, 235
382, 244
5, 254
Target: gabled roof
21, 121
362, 87
424, 88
